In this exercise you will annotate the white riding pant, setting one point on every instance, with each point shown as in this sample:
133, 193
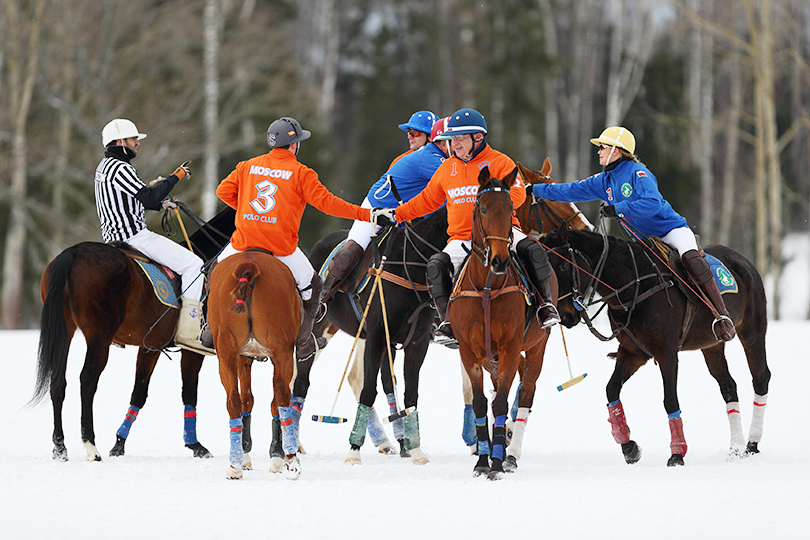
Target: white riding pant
361, 231
458, 249
168, 253
682, 239
297, 262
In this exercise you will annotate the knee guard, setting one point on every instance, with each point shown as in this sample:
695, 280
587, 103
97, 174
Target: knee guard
440, 275
697, 266
535, 259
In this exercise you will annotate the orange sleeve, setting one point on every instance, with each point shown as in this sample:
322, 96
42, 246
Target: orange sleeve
428, 200
228, 189
316, 194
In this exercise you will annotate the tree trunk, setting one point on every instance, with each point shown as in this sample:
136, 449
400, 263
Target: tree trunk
212, 35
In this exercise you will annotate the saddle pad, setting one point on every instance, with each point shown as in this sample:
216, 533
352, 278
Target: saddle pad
724, 279
324, 271
160, 282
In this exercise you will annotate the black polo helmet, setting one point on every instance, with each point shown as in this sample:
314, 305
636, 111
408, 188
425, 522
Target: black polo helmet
285, 131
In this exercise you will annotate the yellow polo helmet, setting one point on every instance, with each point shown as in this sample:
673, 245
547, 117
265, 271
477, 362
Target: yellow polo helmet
617, 136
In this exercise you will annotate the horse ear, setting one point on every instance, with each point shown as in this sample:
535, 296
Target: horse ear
483, 177
545, 170
510, 178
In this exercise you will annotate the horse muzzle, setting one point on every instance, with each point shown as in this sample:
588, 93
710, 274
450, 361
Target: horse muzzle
498, 265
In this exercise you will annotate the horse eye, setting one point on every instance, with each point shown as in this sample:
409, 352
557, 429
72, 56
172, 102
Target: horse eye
564, 266
483, 209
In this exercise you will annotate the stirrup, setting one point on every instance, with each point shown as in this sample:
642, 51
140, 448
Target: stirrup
552, 318
443, 335
719, 320
320, 343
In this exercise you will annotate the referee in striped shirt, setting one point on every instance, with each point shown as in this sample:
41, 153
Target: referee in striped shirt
121, 198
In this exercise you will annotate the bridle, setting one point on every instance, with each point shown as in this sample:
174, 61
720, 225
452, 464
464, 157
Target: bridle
483, 255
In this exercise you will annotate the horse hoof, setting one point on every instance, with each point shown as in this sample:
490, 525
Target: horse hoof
385, 448
482, 466
735, 453
631, 452
752, 447
292, 468
276, 464
675, 460
118, 447
419, 457
199, 451
60, 453
480, 471
403, 452
247, 463
495, 475
301, 449
510, 465
91, 452
234, 473
353, 458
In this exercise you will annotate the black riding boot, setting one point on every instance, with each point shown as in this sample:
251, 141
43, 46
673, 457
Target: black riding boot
306, 344
343, 262
206, 336
440, 285
698, 268
538, 270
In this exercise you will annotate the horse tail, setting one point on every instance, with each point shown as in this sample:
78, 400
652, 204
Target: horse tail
53, 336
246, 273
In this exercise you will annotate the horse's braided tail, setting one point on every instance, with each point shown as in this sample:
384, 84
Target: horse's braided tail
53, 336
246, 273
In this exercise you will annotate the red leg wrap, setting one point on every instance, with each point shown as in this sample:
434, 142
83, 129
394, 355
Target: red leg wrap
678, 444
618, 423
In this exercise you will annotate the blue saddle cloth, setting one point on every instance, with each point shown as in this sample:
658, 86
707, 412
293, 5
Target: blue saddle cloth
724, 279
161, 283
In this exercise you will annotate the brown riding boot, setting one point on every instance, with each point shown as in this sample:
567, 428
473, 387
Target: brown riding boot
342, 263
306, 344
698, 268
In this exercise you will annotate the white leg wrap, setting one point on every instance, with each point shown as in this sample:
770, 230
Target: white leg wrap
516, 445
758, 418
735, 425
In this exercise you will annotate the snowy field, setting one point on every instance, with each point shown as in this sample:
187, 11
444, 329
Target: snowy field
572, 481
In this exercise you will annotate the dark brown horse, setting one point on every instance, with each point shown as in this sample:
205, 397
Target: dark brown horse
101, 291
653, 318
493, 325
254, 312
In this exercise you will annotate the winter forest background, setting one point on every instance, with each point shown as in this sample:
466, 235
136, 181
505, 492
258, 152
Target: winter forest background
716, 92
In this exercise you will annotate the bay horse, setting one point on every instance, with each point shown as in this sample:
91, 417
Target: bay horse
254, 311
653, 318
98, 289
493, 324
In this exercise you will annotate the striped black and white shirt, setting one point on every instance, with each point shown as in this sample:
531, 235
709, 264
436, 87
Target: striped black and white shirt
121, 196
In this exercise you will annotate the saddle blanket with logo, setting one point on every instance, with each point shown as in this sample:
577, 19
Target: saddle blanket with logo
160, 282
726, 283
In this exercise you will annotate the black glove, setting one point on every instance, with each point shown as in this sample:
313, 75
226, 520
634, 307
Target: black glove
608, 210
383, 217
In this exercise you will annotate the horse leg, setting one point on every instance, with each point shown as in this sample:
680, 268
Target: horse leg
228, 376
244, 372
468, 420
57, 392
755, 354
144, 367
668, 364
481, 421
283, 370
190, 365
626, 365
398, 424
375, 427
98, 351
372, 358
507, 368
524, 400
414, 357
718, 368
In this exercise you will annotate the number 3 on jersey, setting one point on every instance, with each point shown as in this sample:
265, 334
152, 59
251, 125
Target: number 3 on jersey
264, 201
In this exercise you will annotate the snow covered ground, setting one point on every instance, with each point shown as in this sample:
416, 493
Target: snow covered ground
571, 482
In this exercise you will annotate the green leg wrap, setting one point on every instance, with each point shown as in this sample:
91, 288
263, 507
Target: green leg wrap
358, 434
412, 430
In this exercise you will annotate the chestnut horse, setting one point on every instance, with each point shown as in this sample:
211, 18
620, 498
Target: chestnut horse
254, 312
652, 318
101, 291
493, 324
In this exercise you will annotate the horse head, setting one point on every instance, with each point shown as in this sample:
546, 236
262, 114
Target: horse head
572, 269
492, 221
549, 214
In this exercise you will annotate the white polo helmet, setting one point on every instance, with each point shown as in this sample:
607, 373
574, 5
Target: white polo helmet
120, 128
617, 136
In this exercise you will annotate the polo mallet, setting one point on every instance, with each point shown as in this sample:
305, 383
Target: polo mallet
573, 380
400, 413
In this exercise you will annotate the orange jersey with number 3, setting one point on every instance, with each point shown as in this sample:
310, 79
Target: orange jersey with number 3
270, 193
456, 182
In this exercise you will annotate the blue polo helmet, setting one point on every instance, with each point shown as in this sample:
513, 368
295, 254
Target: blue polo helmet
420, 121
466, 121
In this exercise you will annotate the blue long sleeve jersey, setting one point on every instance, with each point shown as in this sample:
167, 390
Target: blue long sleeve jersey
410, 176
630, 187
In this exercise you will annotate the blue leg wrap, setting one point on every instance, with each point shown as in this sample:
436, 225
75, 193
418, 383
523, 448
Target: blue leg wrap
288, 442
482, 432
468, 426
296, 406
399, 427
132, 415
190, 424
499, 437
375, 428
675, 415
513, 412
237, 454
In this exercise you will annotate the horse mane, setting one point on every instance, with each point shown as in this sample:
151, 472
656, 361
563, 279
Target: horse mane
432, 228
592, 243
